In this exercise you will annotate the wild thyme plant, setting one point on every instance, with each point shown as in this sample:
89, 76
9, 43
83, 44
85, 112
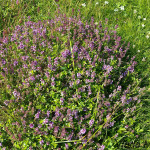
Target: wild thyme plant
63, 82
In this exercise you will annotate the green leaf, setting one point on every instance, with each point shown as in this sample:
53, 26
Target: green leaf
38, 107
121, 130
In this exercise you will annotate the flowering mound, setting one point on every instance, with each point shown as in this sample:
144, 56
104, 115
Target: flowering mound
63, 80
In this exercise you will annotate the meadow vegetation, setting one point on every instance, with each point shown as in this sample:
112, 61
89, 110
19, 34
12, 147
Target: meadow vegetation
74, 74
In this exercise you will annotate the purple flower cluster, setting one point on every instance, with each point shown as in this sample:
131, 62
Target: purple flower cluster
66, 53
65, 94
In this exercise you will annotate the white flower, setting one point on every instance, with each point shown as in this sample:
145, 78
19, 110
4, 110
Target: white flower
96, 23
122, 7
135, 11
147, 36
144, 18
133, 46
106, 2
116, 9
139, 17
96, 3
143, 59
138, 51
83, 4
143, 25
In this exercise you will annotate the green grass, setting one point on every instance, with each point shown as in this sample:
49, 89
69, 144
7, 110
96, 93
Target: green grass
134, 27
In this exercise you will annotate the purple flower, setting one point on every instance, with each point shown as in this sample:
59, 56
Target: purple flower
108, 68
108, 117
32, 78
15, 63
75, 113
50, 125
57, 113
87, 80
24, 58
87, 26
60, 28
37, 115
88, 73
78, 81
39, 126
0, 144
43, 44
71, 84
35, 31
79, 75
33, 48
70, 136
74, 96
54, 68
111, 124
45, 121
31, 125
125, 73
36, 129
102, 147
42, 81
3, 61
15, 92
48, 112
84, 141
119, 88
79, 96
47, 74
50, 66
66, 53
63, 132
75, 48
88, 58
91, 122
62, 100
53, 84
25, 66
116, 135
82, 131
34, 63
41, 142
70, 118
56, 61
21, 46
129, 100
56, 129
37, 76
123, 98
17, 2
30, 148
89, 93
12, 38
52, 78
130, 69
69, 112
93, 74
91, 45
5, 40
66, 145
6, 102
